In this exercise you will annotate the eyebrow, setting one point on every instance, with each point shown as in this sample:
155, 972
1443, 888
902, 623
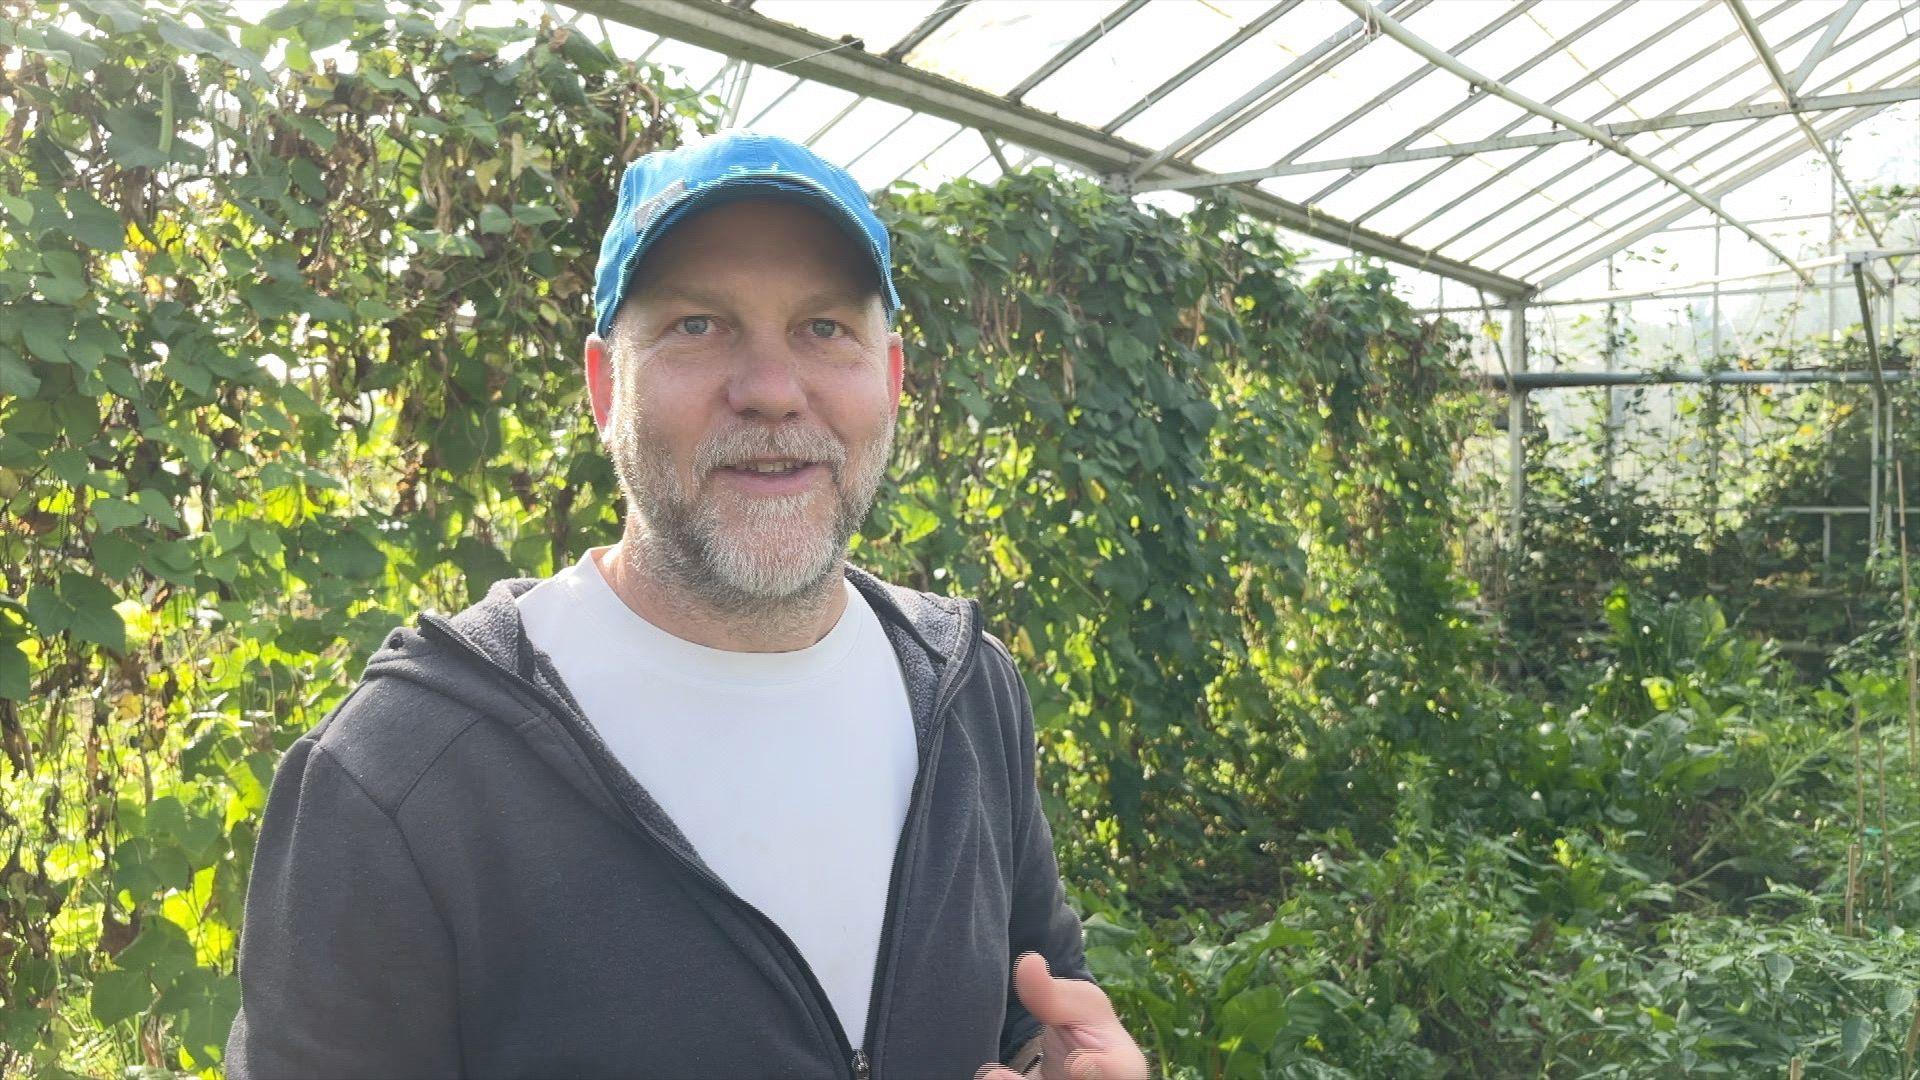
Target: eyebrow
852, 298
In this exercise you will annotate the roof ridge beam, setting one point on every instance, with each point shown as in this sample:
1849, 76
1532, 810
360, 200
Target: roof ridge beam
1392, 28
1763, 111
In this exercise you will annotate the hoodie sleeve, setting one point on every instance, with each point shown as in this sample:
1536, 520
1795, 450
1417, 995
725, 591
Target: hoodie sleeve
1040, 918
346, 968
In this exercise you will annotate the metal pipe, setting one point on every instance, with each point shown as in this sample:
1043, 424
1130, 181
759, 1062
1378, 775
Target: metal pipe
1573, 380
1516, 353
1759, 111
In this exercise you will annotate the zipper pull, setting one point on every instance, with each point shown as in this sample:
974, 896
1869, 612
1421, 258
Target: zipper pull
861, 1070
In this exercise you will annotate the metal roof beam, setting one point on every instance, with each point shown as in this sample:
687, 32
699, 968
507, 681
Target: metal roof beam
1181, 77
1564, 380
1593, 75
1392, 28
1406, 83
1766, 110
1075, 48
1779, 77
1608, 182
712, 25
1470, 100
1609, 246
934, 21
1673, 144
1356, 30
1820, 48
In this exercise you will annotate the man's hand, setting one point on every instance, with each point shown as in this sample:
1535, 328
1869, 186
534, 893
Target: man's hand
1081, 1035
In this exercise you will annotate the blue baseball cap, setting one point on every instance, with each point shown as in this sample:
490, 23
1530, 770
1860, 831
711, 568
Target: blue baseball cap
663, 188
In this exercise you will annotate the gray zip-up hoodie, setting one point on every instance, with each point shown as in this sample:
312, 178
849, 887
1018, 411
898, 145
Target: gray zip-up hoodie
455, 877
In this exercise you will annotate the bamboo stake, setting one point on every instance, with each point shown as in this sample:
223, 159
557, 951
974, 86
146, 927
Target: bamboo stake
1906, 608
1886, 843
1853, 881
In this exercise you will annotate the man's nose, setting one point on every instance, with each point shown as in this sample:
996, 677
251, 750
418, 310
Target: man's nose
766, 382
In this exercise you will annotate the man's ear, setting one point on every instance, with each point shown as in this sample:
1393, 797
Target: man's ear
896, 368
599, 379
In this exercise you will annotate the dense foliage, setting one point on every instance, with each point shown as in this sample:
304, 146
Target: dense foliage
288, 352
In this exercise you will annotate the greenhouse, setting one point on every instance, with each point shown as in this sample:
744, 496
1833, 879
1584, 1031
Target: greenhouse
1437, 468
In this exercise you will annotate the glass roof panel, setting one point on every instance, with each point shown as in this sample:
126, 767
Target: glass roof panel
802, 112
1234, 74
878, 25
1340, 90
1537, 208
1132, 59
993, 44
858, 130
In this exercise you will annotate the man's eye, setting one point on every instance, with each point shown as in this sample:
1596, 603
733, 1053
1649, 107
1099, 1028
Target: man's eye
823, 328
696, 325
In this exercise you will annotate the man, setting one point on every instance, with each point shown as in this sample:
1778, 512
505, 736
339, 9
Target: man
710, 802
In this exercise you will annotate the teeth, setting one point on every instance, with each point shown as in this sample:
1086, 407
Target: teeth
771, 467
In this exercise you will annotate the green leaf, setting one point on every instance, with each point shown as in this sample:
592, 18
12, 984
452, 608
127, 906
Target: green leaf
45, 328
94, 224
64, 281
111, 513
1899, 1000
118, 995
494, 220
162, 952
16, 377
92, 615
114, 555
527, 214
1779, 969
15, 671
1854, 1036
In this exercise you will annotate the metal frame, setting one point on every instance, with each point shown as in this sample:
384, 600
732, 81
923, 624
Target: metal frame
1393, 29
1779, 77
1589, 234
755, 38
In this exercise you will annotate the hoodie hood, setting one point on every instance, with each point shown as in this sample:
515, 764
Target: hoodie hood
481, 656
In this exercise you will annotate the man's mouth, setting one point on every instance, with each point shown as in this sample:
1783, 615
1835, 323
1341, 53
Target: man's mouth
778, 467
773, 476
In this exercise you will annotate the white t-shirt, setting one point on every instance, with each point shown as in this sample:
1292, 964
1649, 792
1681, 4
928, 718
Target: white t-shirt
789, 772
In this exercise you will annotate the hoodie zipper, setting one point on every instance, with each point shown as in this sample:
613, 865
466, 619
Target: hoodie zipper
916, 809
858, 1061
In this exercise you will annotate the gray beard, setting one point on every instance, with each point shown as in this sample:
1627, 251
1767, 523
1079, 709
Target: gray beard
774, 567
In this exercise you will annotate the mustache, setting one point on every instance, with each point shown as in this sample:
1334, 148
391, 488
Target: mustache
737, 446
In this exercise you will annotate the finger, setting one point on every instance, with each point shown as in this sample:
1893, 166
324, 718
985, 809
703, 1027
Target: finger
1055, 1001
1115, 1064
1083, 1065
994, 1071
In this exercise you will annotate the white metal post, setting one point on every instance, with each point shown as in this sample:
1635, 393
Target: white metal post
1516, 342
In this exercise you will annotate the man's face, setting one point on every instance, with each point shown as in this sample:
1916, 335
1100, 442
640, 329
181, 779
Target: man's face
749, 400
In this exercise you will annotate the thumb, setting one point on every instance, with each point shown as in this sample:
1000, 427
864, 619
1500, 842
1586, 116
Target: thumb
1054, 1001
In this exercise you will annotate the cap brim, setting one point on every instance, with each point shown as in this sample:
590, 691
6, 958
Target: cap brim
784, 188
